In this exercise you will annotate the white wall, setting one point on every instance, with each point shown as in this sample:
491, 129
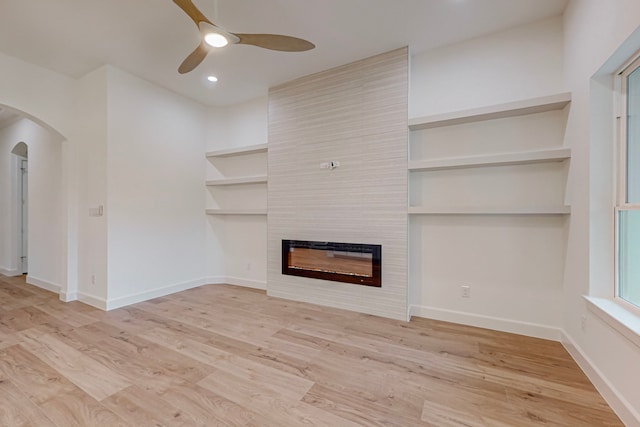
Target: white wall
216, 138
91, 187
155, 208
242, 124
44, 95
237, 245
237, 125
46, 210
8, 259
524, 62
595, 34
46, 219
514, 265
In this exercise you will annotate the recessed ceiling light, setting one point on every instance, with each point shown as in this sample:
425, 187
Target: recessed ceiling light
212, 79
216, 40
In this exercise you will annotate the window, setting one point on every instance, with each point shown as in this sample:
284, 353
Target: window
628, 203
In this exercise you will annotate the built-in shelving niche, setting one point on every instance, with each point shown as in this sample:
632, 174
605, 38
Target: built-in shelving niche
236, 192
488, 210
237, 181
495, 151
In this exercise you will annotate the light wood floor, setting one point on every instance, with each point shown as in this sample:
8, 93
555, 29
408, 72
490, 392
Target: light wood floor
222, 355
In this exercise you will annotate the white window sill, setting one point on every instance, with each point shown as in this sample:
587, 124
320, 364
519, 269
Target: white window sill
615, 315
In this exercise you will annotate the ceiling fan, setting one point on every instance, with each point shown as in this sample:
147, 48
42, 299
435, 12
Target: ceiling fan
215, 36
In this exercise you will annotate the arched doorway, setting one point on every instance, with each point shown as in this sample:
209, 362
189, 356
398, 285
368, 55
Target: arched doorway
33, 191
49, 99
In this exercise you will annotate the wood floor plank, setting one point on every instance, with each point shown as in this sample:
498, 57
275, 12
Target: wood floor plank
202, 404
287, 385
381, 347
407, 335
17, 411
545, 387
142, 407
8, 340
437, 414
36, 379
415, 369
532, 365
16, 293
228, 305
263, 353
73, 314
80, 369
284, 345
134, 320
247, 330
373, 382
448, 404
221, 355
36, 321
273, 407
140, 361
357, 409
78, 409
572, 413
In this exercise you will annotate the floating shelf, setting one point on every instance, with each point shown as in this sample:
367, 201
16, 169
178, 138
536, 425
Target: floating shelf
503, 159
490, 210
238, 181
236, 211
249, 149
509, 109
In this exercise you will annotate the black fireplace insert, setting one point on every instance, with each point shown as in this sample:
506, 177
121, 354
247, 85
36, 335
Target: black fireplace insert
355, 263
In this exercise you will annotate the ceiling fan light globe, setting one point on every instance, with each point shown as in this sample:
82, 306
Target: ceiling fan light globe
216, 40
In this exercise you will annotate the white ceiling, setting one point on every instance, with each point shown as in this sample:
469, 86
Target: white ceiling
150, 38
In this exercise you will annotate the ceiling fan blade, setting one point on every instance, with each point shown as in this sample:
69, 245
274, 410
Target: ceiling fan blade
275, 42
194, 13
194, 59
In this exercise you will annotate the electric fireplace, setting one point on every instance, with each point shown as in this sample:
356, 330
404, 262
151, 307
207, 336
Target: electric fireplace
340, 262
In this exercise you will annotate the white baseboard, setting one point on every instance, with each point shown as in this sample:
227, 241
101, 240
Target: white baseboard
93, 301
255, 284
155, 293
480, 321
619, 404
68, 297
236, 281
215, 280
9, 272
112, 304
44, 284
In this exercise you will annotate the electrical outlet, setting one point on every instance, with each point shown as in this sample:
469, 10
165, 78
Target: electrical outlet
248, 266
465, 291
583, 323
93, 279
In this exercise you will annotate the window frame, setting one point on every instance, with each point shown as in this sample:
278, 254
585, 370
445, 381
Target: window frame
621, 203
